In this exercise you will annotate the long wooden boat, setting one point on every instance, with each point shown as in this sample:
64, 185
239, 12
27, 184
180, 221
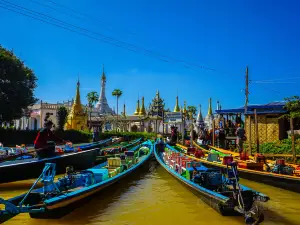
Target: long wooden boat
116, 150
286, 182
55, 198
222, 192
30, 168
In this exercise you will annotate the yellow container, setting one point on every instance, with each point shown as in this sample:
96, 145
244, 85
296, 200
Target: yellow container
114, 162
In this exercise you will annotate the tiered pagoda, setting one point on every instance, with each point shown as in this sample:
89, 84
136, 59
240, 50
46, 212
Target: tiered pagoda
157, 106
209, 117
77, 118
102, 105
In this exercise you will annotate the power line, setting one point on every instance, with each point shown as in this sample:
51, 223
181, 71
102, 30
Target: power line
83, 14
120, 44
278, 79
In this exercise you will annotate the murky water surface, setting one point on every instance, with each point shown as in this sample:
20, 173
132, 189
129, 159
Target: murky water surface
151, 196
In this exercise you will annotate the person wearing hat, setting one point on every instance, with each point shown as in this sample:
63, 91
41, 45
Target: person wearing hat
44, 143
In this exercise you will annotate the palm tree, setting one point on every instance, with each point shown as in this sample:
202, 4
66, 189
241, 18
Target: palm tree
117, 93
92, 98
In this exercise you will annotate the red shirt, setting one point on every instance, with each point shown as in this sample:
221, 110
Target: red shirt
43, 137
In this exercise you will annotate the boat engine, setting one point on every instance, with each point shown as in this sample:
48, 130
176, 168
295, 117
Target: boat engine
209, 180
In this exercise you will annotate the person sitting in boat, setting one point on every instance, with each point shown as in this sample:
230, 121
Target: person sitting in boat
240, 133
44, 143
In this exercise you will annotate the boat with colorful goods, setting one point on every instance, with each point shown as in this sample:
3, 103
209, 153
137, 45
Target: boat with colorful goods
55, 199
116, 150
257, 169
81, 157
218, 188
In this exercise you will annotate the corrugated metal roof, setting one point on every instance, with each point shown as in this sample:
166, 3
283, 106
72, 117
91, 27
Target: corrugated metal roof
270, 108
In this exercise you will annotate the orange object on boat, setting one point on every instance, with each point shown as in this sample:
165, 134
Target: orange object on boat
280, 162
259, 158
191, 150
244, 156
199, 154
227, 160
79, 149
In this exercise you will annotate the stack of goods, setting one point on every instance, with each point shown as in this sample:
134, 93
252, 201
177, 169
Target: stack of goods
257, 164
281, 168
114, 165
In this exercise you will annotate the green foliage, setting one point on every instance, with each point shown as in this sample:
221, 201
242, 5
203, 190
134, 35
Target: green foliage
277, 147
191, 110
62, 114
92, 98
292, 105
117, 93
17, 84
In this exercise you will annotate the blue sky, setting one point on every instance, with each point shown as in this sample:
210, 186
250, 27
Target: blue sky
223, 35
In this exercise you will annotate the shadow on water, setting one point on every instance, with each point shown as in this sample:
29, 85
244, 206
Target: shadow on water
96, 204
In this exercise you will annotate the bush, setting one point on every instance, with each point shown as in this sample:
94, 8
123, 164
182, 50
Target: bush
11, 137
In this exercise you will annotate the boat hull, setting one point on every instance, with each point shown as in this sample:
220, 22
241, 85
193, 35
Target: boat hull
276, 180
222, 206
31, 168
286, 182
62, 206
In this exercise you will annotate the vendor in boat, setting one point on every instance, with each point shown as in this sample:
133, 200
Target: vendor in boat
42, 144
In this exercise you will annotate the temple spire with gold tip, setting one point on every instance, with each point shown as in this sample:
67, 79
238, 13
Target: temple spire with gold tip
142, 111
210, 117
184, 108
77, 118
137, 110
209, 108
177, 109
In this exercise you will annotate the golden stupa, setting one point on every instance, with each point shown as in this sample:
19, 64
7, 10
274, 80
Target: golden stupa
137, 110
77, 118
142, 111
176, 109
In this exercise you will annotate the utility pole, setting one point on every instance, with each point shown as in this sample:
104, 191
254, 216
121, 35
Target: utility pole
246, 90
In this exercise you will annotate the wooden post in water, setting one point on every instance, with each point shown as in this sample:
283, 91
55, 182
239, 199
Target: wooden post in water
256, 131
249, 136
293, 139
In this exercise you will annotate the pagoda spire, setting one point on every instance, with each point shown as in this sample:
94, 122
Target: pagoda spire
137, 111
199, 117
77, 102
124, 110
103, 73
184, 108
142, 108
177, 109
209, 107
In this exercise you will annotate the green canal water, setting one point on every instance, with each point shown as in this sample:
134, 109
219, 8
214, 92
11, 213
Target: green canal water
151, 196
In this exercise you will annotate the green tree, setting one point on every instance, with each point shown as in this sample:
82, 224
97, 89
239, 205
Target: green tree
92, 98
62, 114
292, 106
17, 84
191, 109
117, 93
